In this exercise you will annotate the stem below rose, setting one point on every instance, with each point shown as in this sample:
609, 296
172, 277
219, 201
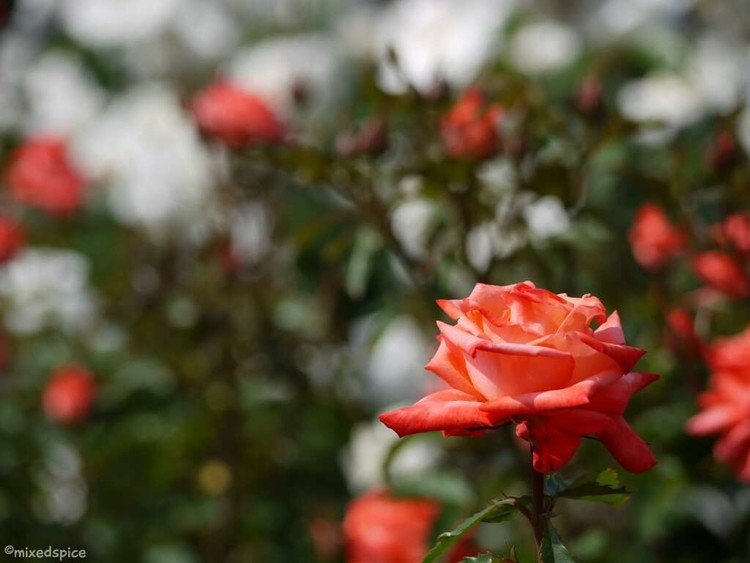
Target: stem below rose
538, 510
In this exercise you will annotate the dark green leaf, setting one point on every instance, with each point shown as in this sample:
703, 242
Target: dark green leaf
553, 549
497, 511
605, 488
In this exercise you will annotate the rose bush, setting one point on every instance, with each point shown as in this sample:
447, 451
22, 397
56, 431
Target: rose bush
524, 355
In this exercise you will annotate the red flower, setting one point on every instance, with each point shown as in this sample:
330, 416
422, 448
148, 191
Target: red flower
725, 407
721, 271
40, 175
469, 130
734, 231
235, 116
12, 238
381, 529
523, 355
683, 338
653, 239
69, 394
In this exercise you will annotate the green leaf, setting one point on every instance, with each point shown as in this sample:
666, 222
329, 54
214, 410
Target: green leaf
553, 549
498, 510
483, 558
605, 488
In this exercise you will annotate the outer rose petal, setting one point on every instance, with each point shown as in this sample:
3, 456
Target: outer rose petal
447, 410
614, 399
611, 330
552, 448
625, 356
711, 421
626, 446
449, 365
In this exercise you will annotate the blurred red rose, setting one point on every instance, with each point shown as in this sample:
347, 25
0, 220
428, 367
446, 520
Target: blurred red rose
734, 231
235, 116
379, 528
469, 129
653, 239
41, 175
722, 272
682, 336
725, 407
523, 355
12, 238
69, 394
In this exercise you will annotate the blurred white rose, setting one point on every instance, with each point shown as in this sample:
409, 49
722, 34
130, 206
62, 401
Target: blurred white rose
362, 460
544, 47
412, 223
438, 40
147, 150
115, 23
61, 95
45, 287
546, 218
665, 98
285, 68
250, 233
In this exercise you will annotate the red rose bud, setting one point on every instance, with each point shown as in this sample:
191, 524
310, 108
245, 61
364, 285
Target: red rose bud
682, 338
69, 394
235, 116
588, 99
41, 175
12, 238
370, 138
721, 271
469, 130
522, 355
734, 231
724, 152
725, 406
653, 239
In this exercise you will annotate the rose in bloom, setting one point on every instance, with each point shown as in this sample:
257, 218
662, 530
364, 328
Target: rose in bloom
12, 238
41, 175
469, 130
653, 239
725, 407
734, 231
523, 355
721, 271
379, 528
235, 116
69, 394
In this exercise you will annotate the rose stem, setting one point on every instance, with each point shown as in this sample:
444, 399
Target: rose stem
538, 514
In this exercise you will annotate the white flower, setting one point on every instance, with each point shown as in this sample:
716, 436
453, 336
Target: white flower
61, 95
62, 492
147, 149
718, 69
17, 51
666, 98
250, 233
115, 23
207, 28
412, 222
45, 287
546, 218
438, 40
278, 67
362, 461
544, 47
393, 357
614, 18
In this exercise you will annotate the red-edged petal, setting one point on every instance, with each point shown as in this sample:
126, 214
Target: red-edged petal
449, 365
470, 344
625, 356
448, 410
576, 395
626, 446
614, 398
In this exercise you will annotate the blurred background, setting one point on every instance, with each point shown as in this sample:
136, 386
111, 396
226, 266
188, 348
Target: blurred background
199, 329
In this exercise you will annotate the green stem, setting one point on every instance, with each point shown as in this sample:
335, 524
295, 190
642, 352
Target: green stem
538, 512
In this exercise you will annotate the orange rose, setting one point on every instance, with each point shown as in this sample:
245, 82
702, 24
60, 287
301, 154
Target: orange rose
653, 239
235, 116
522, 355
734, 231
725, 407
